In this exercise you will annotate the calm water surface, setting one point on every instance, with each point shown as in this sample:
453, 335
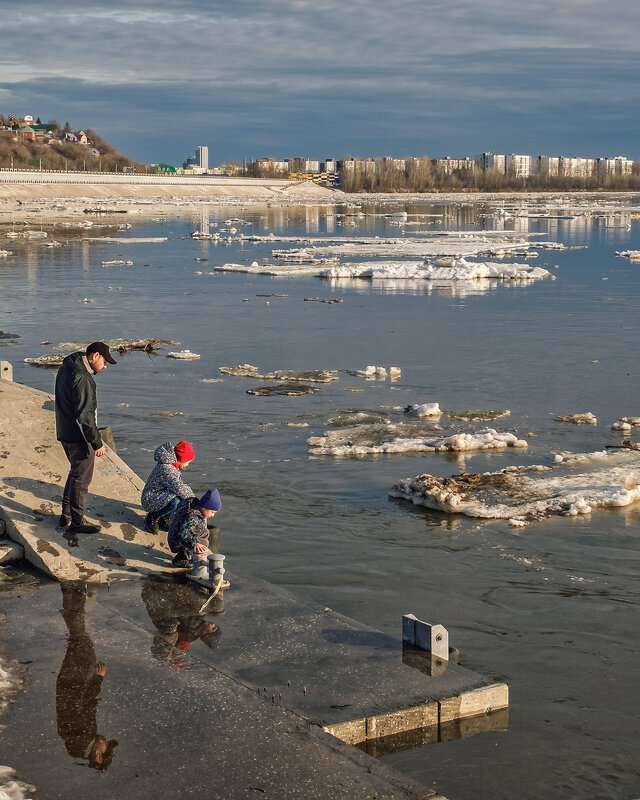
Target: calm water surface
552, 608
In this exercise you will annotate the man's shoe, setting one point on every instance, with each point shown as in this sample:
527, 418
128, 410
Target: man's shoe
151, 523
180, 562
84, 527
64, 521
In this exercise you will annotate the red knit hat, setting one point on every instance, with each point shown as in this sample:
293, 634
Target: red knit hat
184, 646
184, 452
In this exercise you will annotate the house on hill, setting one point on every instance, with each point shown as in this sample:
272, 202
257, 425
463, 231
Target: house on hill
27, 133
81, 137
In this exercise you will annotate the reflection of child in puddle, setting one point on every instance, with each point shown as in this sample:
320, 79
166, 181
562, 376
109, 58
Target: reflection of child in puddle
78, 685
174, 609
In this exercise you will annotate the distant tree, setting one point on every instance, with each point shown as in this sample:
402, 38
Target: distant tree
38, 121
67, 128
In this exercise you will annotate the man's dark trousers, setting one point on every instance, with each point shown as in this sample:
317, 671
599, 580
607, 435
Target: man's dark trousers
82, 460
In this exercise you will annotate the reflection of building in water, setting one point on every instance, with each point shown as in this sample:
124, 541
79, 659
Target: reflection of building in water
312, 219
78, 685
84, 250
330, 223
31, 263
204, 223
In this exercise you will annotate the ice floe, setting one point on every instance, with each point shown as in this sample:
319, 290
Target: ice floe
625, 424
632, 255
11, 788
249, 371
461, 270
372, 440
290, 389
588, 418
183, 355
521, 495
424, 410
479, 415
117, 262
121, 346
373, 373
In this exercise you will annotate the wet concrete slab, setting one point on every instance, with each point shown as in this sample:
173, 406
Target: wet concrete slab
33, 470
171, 717
352, 680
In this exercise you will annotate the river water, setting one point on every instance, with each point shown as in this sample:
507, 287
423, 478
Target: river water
551, 608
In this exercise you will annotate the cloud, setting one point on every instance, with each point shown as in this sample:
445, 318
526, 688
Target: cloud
298, 77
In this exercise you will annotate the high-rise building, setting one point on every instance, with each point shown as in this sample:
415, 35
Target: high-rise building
202, 156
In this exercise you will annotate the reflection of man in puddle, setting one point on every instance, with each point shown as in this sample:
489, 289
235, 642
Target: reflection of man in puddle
174, 609
78, 685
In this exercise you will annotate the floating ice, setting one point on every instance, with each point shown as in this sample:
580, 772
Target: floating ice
462, 270
625, 424
580, 458
117, 262
424, 410
372, 373
127, 239
479, 415
184, 355
520, 497
249, 371
369, 440
11, 788
632, 255
291, 389
578, 419
4, 253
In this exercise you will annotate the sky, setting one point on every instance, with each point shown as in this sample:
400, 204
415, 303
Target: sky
328, 78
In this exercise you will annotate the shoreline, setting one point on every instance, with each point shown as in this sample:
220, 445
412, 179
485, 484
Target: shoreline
37, 203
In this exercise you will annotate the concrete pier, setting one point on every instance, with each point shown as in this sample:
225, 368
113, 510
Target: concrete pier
33, 470
270, 703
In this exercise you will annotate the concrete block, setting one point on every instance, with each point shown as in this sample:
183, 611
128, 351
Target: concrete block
432, 638
10, 551
409, 628
479, 701
6, 371
406, 719
351, 732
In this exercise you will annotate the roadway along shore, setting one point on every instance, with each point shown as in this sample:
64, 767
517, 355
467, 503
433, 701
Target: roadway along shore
17, 187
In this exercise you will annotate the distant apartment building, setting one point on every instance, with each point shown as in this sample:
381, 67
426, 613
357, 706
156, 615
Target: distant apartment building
330, 165
576, 167
548, 165
518, 166
272, 165
450, 165
618, 165
366, 165
396, 163
494, 161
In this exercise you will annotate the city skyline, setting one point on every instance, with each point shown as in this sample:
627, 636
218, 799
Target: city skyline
325, 80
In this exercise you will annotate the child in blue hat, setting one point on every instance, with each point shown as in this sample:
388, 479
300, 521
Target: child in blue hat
188, 532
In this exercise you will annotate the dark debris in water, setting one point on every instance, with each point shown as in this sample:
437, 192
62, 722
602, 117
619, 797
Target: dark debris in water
287, 389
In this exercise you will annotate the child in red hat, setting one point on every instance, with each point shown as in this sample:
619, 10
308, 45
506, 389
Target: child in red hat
165, 488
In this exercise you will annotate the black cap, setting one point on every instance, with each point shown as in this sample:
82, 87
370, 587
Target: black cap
102, 349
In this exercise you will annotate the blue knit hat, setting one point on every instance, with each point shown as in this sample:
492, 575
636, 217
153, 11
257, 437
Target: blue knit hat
211, 500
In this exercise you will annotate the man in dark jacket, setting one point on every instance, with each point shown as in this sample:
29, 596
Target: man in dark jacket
77, 429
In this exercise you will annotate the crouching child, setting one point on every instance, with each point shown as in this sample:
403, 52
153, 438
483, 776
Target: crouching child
165, 488
188, 532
